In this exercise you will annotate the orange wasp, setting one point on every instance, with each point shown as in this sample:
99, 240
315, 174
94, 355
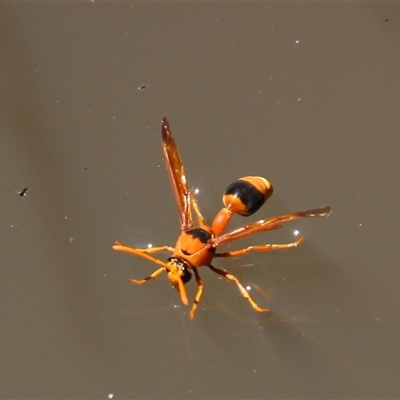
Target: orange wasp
196, 246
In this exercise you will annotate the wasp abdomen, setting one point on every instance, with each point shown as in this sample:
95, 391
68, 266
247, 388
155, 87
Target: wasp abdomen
246, 195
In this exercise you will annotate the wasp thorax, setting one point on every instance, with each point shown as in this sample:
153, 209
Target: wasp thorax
246, 195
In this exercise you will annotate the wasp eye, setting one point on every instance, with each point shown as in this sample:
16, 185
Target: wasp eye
185, 273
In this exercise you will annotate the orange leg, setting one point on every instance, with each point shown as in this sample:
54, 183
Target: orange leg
154, 275
127, 249
196, 208
242, 290
265, 247
143, 253
157, 249
198, 294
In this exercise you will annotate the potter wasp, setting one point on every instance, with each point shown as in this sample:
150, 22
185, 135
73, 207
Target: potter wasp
197, 244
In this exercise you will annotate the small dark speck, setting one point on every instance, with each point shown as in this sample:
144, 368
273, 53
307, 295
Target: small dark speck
386, 20
85, 167
23, 192
142, 86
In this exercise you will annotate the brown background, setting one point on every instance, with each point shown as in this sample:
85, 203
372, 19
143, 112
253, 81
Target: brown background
306, 94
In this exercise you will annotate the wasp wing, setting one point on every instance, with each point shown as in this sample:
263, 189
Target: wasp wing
269, 224
177, 176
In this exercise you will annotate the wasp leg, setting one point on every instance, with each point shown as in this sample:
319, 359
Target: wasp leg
142, 253
242, 290
196, 208
198, 294
265, 247
120, 247
154, 275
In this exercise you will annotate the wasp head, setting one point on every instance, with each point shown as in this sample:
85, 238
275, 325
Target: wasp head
179, 272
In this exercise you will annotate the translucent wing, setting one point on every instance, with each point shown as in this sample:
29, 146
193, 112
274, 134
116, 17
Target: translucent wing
176, 175
269, 224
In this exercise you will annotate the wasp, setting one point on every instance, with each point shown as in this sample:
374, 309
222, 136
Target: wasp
197, 244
